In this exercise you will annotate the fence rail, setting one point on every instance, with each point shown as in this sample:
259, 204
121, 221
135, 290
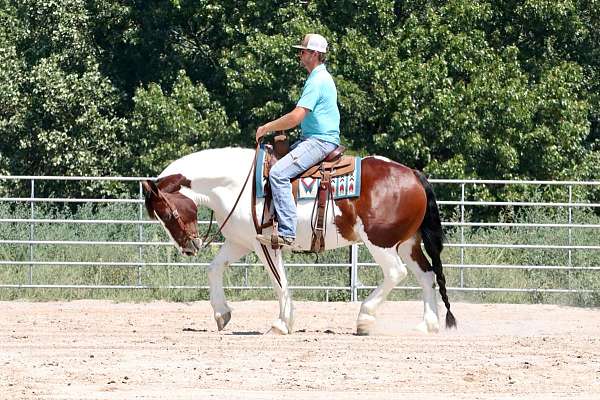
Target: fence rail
461, 221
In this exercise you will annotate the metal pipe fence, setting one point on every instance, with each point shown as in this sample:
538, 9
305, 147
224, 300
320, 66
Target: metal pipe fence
577, 252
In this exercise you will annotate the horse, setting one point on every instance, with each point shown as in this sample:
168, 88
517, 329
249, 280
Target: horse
395, 212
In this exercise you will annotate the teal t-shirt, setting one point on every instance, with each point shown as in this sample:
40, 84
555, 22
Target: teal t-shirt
320, 97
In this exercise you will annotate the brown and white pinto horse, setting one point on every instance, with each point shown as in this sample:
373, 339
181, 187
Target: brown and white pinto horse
394, 213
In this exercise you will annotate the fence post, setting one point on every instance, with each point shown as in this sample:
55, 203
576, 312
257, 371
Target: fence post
141, 236
354, 272
31, 232
246, 284
462, 235
570, 222
570, 260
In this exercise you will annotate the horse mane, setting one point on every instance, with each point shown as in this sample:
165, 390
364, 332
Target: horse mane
172, 183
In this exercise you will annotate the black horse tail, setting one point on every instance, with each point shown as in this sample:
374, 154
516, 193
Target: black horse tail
433, 237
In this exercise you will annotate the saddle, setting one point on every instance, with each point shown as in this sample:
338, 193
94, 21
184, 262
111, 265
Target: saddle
335, 164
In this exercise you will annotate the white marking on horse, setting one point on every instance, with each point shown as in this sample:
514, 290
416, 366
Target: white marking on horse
382, 158
198, 199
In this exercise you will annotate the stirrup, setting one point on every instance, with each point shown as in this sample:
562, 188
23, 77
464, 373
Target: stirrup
282, 241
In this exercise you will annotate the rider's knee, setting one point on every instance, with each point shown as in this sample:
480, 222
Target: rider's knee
277, 177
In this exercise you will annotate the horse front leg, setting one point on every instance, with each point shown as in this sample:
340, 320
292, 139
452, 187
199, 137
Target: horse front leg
273, 259
229, 253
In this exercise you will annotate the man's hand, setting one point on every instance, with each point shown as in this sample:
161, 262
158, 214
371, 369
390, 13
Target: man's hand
288, 121
260, 132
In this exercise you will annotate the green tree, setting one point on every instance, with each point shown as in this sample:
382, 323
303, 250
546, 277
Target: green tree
10, 75
168, 126
460, 88
60, 117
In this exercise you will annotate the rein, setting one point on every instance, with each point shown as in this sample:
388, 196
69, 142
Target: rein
254, 218
257, 226
205, 240
175, 214
205, 244
212, 238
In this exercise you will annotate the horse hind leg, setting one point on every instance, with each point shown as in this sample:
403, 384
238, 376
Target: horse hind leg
411, 253
394, 271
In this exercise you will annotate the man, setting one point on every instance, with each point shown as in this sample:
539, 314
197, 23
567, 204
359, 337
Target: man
319, 118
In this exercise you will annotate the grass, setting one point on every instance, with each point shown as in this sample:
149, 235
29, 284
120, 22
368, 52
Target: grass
157, 277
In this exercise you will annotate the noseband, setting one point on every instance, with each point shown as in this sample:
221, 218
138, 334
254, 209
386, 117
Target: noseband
194, 237
205, 241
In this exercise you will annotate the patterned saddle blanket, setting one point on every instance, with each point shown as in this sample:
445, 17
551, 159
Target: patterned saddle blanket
343, 187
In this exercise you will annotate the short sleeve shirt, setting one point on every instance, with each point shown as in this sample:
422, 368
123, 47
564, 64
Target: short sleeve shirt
320, 97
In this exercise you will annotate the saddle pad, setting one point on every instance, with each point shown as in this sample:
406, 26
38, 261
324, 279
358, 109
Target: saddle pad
344, 187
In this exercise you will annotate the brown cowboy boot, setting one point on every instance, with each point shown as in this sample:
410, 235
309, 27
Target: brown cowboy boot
283, 242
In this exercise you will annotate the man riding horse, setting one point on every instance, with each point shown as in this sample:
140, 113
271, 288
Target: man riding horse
394, 212
319, 118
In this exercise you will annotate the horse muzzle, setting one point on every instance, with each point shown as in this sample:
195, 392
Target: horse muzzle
196, 244
193, 246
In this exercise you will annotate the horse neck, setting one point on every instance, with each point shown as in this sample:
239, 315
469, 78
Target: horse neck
216, 176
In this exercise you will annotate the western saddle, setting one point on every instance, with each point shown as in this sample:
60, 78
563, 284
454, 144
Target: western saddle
335, 164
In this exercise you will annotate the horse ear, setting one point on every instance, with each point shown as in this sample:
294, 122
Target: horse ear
150, 187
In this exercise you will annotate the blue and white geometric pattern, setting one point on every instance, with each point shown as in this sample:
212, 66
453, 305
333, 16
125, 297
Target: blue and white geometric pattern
343, 186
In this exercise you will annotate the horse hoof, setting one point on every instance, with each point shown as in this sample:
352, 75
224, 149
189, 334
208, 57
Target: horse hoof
361, 331
364, 324
278, 328
428, 327
422, 327
222, 320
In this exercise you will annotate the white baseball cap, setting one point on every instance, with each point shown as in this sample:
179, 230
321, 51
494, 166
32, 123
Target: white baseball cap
313, 41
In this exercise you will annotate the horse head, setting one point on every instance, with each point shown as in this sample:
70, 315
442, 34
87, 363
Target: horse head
175, 211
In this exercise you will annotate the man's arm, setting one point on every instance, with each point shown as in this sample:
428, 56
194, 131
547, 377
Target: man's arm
288, 121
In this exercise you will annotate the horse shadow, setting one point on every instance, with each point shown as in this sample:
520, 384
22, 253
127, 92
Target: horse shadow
235, 333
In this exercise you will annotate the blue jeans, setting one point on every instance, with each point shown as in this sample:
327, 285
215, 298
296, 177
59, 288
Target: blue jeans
304, 154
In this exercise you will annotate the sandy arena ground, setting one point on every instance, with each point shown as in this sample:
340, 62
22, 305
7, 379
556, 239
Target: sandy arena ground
102, 350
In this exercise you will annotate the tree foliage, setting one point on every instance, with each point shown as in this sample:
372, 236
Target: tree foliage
61, 117
460, 88
165, 127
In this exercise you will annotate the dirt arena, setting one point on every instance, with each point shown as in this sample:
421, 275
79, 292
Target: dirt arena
102, 350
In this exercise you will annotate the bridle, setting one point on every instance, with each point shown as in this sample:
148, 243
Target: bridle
174, 214
201, 243
206, 241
